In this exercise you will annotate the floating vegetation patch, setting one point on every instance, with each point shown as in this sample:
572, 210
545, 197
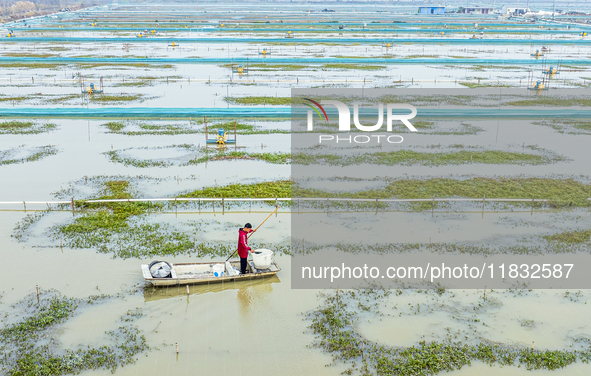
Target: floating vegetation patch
123, 65
335, 325
26, 54
421, 57
29, 65
118, 98
300, 67
341, 66
277, 101
31, 346
571, 237
118, 156
280, 188
476, 85
25, 127
441, 128
138, 83
567, 126
277, 158
410, 158
561, 193
22, 228
21, 154
456, 248
112, 226
13, 98
551, 101
125, 229
114, 126
139, 128
194, 155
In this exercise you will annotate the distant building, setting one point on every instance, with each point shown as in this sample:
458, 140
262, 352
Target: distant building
508, 9
476, 10
432, 9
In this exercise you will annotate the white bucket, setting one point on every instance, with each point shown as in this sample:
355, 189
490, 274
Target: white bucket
262, 260
218, 269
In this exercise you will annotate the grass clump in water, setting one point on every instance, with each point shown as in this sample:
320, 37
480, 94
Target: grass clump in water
568, 126
421, 57
352, 66
409, 158
280, 188
108, 222
38, 153
561, 193
124, 229
335, 321
474, 85
114, 126
551, 101
571, 237
276, 101
25, 127
277, 158
115, 98
31, 347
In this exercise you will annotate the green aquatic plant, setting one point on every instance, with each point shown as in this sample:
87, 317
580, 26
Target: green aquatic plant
114, 126
551, 101
570, 237
25, 127
335, 323
31, 347
124, 230
279, 101
37, 154
117, 98
409, 157
560, 193
277, 158
280, 188
476, 85
116, 157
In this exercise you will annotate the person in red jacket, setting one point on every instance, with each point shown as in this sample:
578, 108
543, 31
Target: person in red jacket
243, 247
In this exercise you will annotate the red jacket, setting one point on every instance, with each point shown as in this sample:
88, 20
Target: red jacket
243, 247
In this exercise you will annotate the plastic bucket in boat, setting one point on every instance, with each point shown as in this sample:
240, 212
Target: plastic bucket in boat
218, 269
262, 258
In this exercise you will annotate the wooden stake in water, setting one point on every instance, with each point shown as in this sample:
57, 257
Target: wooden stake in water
177, 347
37, 289
187, 294
483, 200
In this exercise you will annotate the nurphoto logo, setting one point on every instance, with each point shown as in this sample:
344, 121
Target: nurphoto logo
345, 121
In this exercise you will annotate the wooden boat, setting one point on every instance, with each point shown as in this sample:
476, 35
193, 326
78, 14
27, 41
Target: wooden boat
256, 286
202, 272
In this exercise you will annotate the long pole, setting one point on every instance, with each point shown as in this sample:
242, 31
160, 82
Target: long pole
249, 235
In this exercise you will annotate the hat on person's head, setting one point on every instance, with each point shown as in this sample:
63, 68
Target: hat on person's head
248, 225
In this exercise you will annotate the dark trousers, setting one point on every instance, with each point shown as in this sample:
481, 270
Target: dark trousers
243, 264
